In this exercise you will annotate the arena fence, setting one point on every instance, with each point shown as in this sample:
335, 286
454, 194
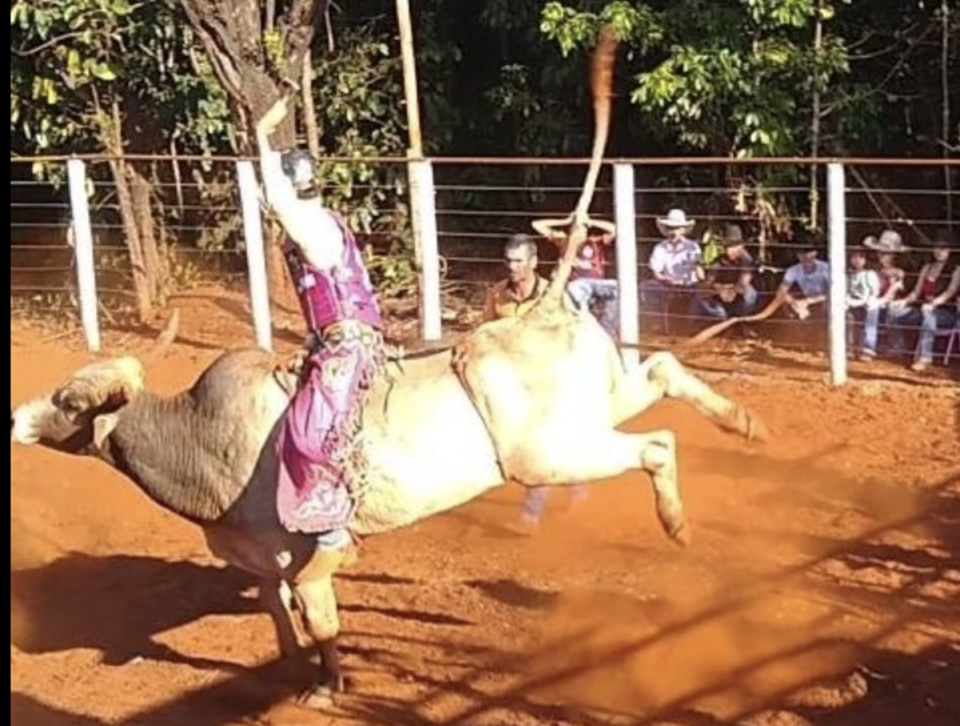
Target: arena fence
68, 251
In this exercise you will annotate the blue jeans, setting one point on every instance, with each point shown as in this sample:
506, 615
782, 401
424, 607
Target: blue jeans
742, 304
536, 499
897, 320
657, 298
869, 318
584, 290
942, 318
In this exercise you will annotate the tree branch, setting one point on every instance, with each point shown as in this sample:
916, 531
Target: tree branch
219, 46
298, 26
53, 41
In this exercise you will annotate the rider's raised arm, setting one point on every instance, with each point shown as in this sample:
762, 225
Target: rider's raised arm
291, 194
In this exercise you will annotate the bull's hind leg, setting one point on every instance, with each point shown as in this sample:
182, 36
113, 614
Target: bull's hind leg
318, 605
277, 599
613, 453
670, 378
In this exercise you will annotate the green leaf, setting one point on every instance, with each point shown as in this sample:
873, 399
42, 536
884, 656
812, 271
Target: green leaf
74, 66
104, 72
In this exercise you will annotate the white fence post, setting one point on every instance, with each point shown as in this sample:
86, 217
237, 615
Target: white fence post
83, 252
256, 260
626, 251
837, 241
424, 207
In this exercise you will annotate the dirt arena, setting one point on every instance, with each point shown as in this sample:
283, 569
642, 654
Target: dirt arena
822, 587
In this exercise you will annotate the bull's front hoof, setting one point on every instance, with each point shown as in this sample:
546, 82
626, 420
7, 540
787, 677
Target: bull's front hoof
757, 430
681, 535
674, 523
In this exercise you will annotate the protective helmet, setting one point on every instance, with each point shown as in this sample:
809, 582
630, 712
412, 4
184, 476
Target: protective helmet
299, 166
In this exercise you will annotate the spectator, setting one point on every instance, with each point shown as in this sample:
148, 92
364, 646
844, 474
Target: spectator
806, 285
730, 279
892, 276
523, 286
511, 297
931, 303
863, 302
589, 284
675, 264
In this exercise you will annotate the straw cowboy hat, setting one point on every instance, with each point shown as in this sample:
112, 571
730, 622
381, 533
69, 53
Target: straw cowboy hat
675, 219
889, 241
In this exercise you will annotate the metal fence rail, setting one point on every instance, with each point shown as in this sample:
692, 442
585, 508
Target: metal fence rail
210, 217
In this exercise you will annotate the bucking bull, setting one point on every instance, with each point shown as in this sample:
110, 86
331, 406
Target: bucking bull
551, 388
536, 400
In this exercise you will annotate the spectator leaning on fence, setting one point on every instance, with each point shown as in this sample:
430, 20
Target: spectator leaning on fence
806, 285
511, 297
522, 286
931, 303
676, 267
730, 290
863, 302
589, 283
887, 246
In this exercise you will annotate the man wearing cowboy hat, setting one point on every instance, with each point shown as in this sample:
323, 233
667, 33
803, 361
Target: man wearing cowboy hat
675, 264
730, 279
892, 277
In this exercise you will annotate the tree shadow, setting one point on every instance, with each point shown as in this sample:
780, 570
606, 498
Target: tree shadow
375, 578
416, 616
28, 711
117, 604
832, 679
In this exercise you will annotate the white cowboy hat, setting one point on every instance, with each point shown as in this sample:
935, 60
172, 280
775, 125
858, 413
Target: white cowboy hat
675, 219
889, 241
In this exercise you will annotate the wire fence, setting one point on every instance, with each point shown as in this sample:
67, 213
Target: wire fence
196, 213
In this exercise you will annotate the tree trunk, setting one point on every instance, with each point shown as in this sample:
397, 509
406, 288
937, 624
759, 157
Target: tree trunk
233, 33
153, 258
310, 127
141, 282
131, 229
815, 115
945, 110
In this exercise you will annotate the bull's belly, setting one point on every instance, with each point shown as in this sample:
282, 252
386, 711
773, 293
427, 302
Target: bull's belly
441, 459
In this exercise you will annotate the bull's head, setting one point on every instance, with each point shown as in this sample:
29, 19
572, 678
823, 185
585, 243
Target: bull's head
82, 411
79, 414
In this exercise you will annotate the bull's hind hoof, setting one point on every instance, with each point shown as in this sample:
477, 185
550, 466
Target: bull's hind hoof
323, 694
319, 698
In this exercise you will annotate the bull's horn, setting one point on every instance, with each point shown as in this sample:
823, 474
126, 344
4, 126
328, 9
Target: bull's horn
165, 339
95, 385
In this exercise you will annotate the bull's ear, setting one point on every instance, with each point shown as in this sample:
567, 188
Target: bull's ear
103, 426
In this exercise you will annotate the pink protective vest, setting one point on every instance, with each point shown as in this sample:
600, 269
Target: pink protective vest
341, 293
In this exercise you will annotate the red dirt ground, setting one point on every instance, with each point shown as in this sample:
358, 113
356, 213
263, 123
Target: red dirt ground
822, 586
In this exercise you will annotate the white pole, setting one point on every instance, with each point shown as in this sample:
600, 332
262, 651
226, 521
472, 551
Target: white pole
256, 261
412, 105
837, 241
425, 208
626, 251
83, 251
